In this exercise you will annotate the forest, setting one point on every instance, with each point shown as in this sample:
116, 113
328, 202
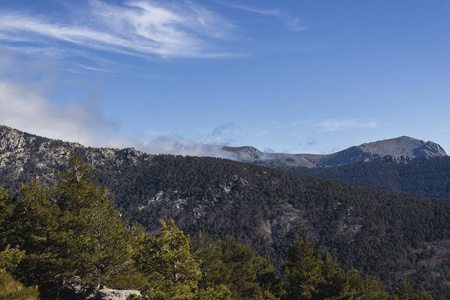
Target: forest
425, 176
52, 235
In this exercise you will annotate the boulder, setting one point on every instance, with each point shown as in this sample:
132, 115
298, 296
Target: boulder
78, 290
110, 294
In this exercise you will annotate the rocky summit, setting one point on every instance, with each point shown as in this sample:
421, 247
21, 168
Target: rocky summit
398, 149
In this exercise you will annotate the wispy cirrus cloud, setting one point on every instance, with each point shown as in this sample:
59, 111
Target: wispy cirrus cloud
292, 23
139, 28
338, 125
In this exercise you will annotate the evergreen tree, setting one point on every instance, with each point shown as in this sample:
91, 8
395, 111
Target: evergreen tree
365, 289
96, 238
336, 283
405, 291
71, 229
6, 211
311, 278
167, 261
229, 263
304, 270
35, 225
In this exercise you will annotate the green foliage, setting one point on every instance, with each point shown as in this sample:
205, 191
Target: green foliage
10, 258
67, 230
218, 292
167, 262
309, 277
369, 288
128, 281
335, 283
92, 224
6, 211
247, 275
304, 270
405, 291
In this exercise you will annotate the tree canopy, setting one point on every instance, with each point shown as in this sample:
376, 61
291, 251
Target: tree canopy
50, 235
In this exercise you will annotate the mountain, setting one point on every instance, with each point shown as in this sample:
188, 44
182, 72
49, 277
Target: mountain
400, 148
380, 233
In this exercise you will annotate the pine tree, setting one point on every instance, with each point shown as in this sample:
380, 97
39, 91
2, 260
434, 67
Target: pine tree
6, 211
336, 283
247, 275
71, 229
369, 288
167, 261
96, 238
304, 270
34, 227
405, 291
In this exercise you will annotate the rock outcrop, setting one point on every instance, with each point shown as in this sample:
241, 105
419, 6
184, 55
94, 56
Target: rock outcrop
77, 290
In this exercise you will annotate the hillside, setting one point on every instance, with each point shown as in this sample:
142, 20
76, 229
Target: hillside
379, 233
428, 177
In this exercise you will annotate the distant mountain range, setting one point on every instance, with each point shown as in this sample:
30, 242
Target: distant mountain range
380, 233
399, 149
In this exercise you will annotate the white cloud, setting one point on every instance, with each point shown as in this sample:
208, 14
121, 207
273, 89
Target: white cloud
338, 125
24, 107
293, 24
266, 12
169, 145
140, 28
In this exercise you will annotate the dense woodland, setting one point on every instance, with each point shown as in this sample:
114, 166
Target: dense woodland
50, 235
379, 233
428, 177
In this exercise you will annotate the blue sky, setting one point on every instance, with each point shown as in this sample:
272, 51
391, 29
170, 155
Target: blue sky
181, 76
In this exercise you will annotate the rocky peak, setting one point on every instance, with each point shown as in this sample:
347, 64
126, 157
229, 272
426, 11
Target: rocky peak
403, 146
245, 154
20, 152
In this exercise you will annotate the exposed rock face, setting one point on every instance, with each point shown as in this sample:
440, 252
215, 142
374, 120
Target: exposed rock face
110, 294
21, 153
77, 290
400, 149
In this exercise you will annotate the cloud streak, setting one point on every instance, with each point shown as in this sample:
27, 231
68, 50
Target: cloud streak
293, 24
338, 125
139, 28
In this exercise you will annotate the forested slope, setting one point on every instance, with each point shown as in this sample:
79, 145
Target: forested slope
377, 232
428, 177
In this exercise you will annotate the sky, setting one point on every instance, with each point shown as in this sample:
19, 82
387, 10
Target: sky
186, 77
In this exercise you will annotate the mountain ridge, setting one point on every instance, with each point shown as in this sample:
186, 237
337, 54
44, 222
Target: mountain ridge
400, 148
